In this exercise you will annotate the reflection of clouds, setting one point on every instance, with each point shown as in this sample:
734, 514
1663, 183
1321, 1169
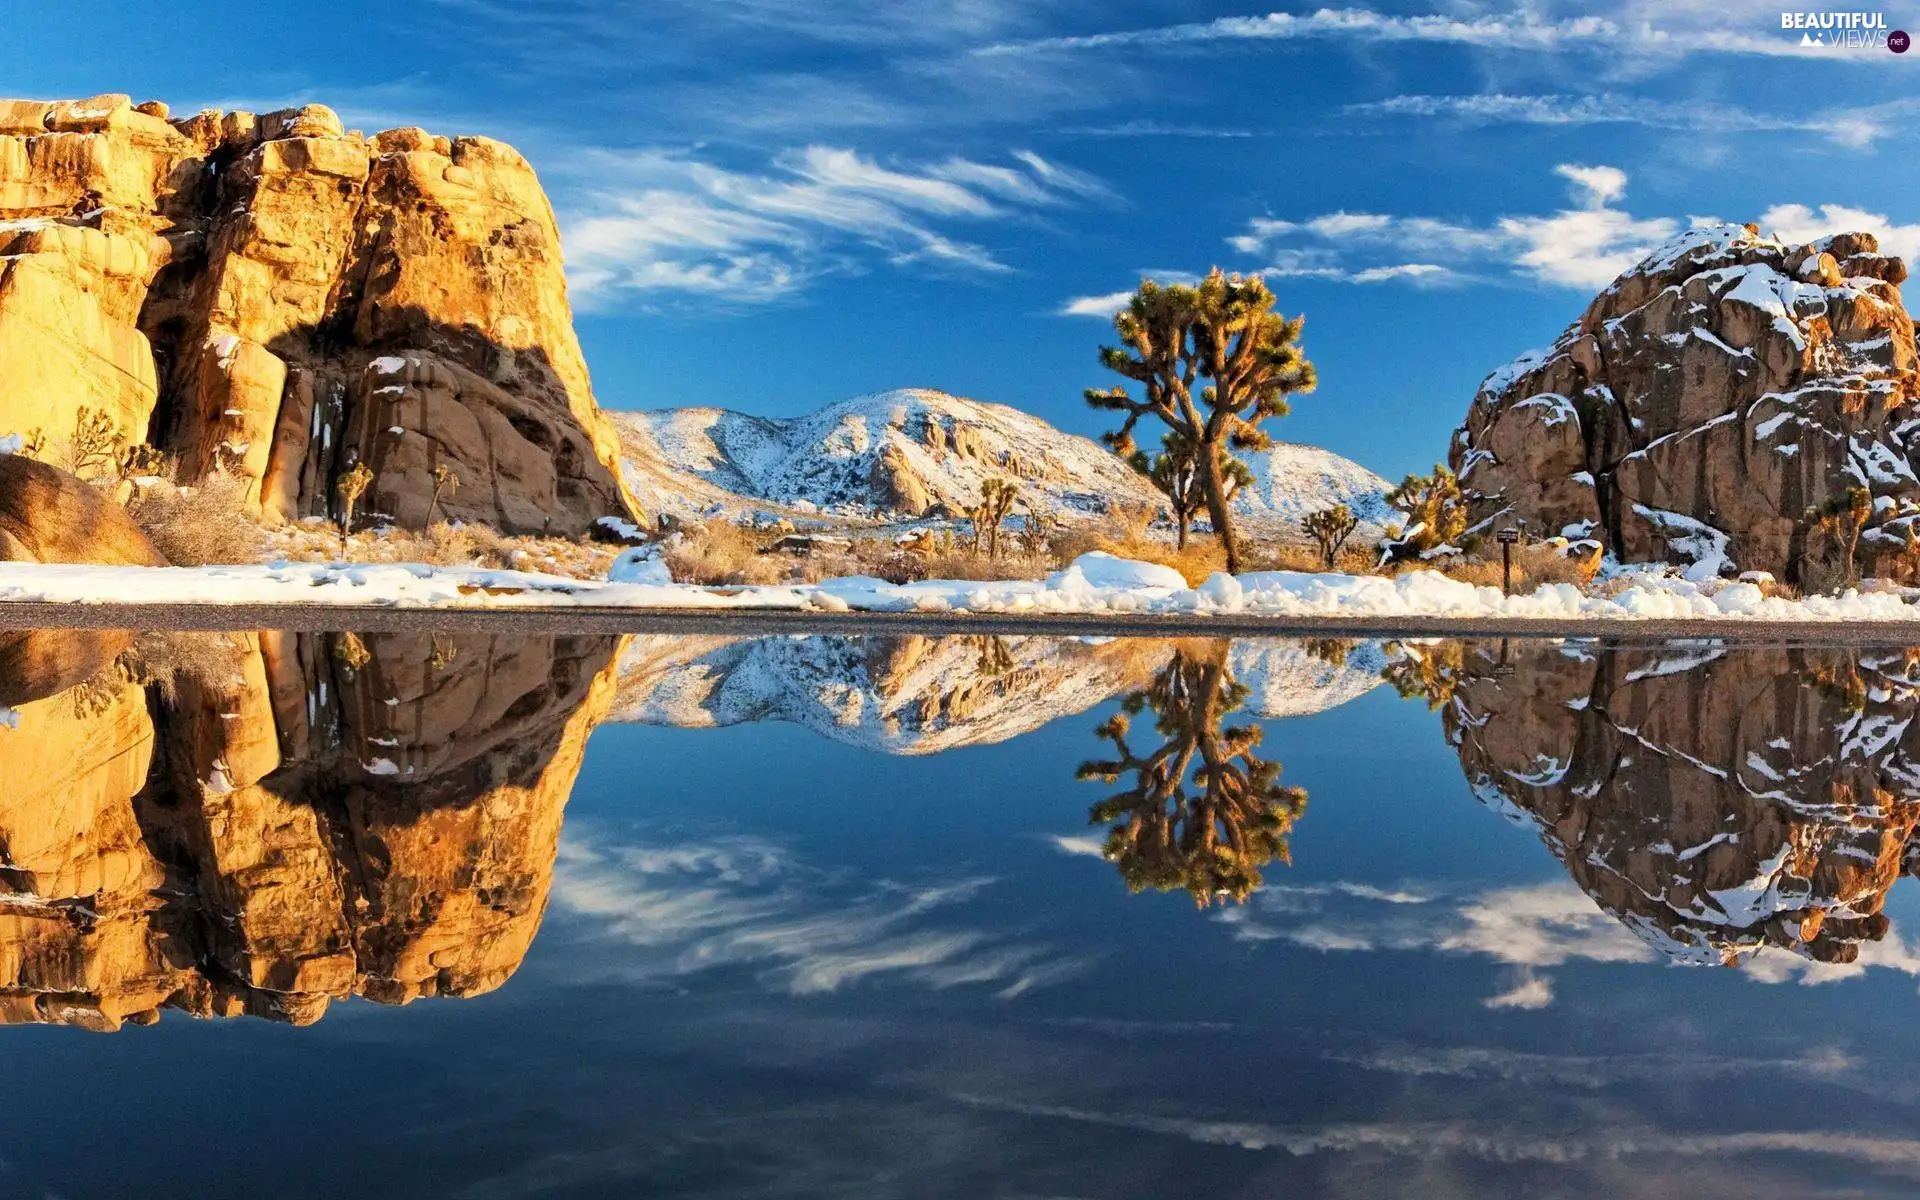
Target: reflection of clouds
1527, 928
1586, 1070
1478, 1139
747, 903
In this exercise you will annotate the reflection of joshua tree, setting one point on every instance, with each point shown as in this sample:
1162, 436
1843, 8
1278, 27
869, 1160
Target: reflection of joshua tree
1213, 842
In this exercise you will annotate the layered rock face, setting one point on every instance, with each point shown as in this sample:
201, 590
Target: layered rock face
1716, 801
1704, 402
281, 298
329, 816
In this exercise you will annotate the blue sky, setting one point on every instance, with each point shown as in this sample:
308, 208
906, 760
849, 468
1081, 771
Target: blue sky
770, 204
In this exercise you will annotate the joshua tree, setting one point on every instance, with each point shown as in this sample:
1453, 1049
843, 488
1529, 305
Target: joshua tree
95, 444
1214, 841
1223, 331
350, 487
445, 481
1436, 514
1330, 528
996, 501
1176, 472
1843, 518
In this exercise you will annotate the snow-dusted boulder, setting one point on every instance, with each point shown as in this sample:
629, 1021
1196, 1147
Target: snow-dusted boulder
1704, 401
640, 564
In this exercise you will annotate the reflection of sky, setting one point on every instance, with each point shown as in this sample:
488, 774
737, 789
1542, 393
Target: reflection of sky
774, 965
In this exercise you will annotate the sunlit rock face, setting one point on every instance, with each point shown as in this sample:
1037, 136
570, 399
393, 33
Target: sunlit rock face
278, 296
308, 817
1704, 401
1716, 800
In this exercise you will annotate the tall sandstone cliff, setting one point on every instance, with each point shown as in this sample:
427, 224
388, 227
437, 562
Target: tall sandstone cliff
279, 297
1705, 401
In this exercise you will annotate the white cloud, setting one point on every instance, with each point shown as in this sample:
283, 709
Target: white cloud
1595, 187
747, 904
1095, 306
1858, 127
1657, 33
656, 221
1800, 223
1530, 993
1088, 845
1584, 247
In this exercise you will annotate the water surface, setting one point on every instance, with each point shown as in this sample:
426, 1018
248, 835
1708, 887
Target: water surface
324, 914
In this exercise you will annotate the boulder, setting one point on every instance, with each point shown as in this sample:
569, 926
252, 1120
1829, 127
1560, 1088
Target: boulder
50, 516
1704, 402
253, 269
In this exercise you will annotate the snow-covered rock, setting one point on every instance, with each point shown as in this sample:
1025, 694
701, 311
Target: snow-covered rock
916, 451
1704, 402
640, 564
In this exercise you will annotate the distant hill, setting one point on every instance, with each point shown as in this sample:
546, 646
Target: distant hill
910, 453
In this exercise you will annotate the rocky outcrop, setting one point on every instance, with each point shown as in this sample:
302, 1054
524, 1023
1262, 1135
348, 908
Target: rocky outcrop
1704, 402
280, 297
50, 516
310, 818
1715, 800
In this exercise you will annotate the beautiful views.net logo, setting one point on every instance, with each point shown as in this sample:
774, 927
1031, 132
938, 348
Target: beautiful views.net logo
1845, 30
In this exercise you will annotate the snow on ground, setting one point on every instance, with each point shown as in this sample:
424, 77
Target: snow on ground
1095, 584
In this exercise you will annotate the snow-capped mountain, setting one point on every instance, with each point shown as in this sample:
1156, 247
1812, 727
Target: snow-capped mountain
916, 452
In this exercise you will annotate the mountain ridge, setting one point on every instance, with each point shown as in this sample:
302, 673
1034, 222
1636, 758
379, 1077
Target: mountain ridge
913, 453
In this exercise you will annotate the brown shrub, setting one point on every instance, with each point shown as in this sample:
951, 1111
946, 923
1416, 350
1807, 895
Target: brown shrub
723, 553
195, 526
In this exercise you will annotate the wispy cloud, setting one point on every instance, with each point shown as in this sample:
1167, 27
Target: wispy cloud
1521, 30
1858, 127
1585, 247
748, 904
657, 221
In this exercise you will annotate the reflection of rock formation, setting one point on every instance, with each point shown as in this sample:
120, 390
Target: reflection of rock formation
1714, 799
343, 816
914, 694
1212, 840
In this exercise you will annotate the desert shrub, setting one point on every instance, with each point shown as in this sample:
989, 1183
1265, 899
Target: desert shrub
195, 526
723, 553
165, 660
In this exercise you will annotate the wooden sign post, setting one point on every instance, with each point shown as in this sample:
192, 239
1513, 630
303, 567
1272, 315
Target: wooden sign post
1507, 538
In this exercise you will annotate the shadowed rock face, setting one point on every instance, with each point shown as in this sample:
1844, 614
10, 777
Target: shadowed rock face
316, 817
1715, 800
1705, 401
280, 297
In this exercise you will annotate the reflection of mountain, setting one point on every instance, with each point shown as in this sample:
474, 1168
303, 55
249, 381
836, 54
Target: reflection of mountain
922, 695
1715, 800
309, 817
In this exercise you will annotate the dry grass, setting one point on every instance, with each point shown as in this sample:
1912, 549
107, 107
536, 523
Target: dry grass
443, 545
1535, 565
199, 525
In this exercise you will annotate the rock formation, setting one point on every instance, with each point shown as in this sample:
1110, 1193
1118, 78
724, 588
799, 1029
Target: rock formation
1704, 402
50, 516
279, 297
313, 817
1715, 800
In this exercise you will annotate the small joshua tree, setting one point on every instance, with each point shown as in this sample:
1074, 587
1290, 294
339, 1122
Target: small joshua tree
350, 487
996, 502
446, 481
1843, 518
95, 444
1330, 528
1436, 514
1175, 471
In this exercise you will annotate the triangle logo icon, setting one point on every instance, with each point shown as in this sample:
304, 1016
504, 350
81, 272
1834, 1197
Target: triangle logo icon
1806, 39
